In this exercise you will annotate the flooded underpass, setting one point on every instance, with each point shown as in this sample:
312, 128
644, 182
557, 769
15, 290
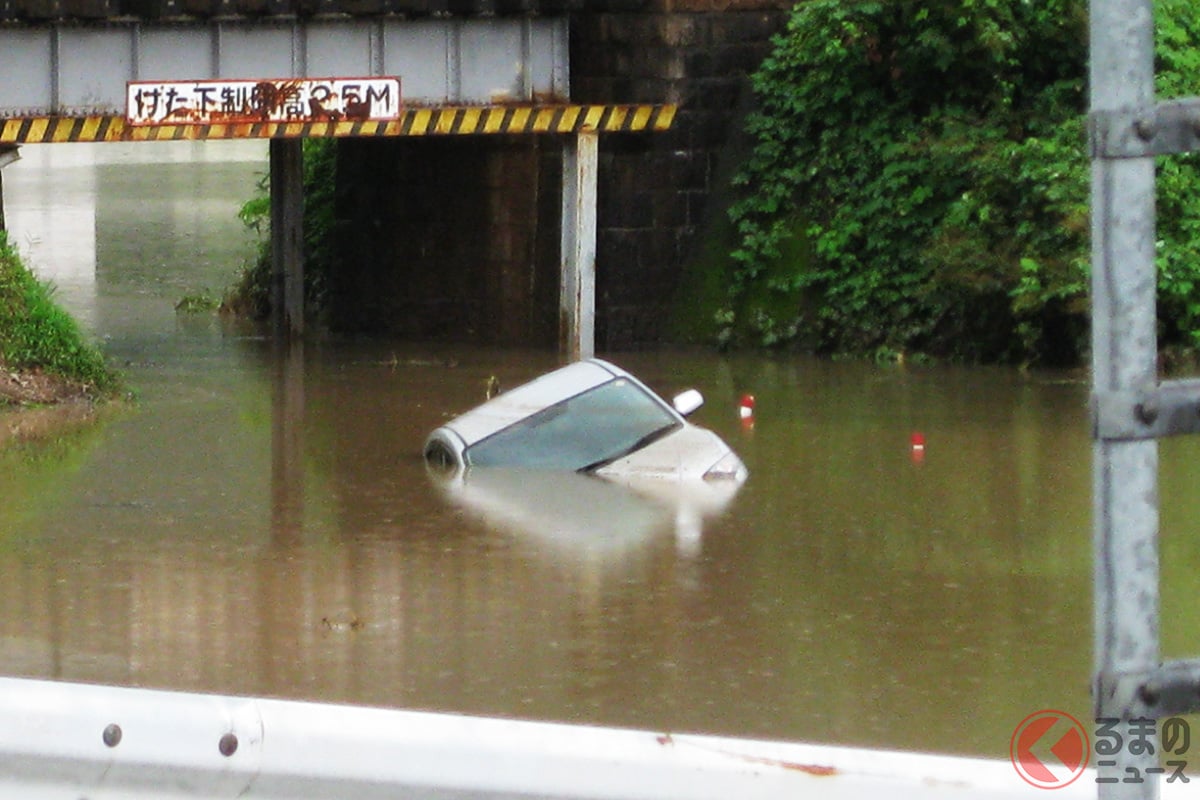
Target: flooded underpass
259, 521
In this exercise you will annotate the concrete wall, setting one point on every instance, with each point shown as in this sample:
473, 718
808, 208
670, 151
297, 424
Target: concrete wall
467, 229
440, 238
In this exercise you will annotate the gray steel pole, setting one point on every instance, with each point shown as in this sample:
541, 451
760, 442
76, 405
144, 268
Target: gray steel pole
1124, 353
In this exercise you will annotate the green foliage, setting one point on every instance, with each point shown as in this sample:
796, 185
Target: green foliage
198, 303
1178, 236
36, 333
936, 154
251, 296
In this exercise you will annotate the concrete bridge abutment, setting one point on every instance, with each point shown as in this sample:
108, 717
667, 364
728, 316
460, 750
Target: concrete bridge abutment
450, 238
460, 238
660, 196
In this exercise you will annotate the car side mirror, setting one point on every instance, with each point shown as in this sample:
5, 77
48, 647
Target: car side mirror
687, 402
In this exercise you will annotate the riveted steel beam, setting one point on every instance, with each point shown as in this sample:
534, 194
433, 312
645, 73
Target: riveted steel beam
81, 69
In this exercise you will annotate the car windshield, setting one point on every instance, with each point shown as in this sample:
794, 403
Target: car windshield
587, 430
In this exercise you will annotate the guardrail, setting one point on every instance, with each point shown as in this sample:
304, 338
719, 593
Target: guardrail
63, 740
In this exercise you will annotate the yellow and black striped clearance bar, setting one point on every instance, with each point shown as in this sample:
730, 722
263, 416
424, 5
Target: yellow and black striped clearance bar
462, 120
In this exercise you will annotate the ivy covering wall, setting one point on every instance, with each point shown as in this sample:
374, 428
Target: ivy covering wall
919, 184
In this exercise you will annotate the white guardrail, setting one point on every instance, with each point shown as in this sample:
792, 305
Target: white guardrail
73, 741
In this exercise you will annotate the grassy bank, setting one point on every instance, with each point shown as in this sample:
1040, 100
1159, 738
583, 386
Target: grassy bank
44, 356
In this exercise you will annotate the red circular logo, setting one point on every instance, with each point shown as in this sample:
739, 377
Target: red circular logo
1049, 749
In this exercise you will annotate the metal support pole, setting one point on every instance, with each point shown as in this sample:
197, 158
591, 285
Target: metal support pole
577, 299
287, 236
1124, 352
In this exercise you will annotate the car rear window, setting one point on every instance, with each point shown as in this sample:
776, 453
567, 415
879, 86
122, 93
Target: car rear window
589, 429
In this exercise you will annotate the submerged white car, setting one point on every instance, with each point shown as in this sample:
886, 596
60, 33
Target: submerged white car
592, 417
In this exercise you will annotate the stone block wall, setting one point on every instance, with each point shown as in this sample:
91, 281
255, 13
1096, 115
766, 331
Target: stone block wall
655, 189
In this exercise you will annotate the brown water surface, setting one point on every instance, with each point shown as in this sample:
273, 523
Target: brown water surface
260, 521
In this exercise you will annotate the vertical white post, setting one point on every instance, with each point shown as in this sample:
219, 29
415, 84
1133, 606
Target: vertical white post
577, 298
1124, 353
287, 236
8, 154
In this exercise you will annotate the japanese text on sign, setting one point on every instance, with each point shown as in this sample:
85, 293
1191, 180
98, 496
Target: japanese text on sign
236, 101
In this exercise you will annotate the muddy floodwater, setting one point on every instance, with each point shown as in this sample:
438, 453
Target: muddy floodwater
259, 520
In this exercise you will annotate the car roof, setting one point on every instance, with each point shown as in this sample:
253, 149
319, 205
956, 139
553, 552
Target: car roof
518, 403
